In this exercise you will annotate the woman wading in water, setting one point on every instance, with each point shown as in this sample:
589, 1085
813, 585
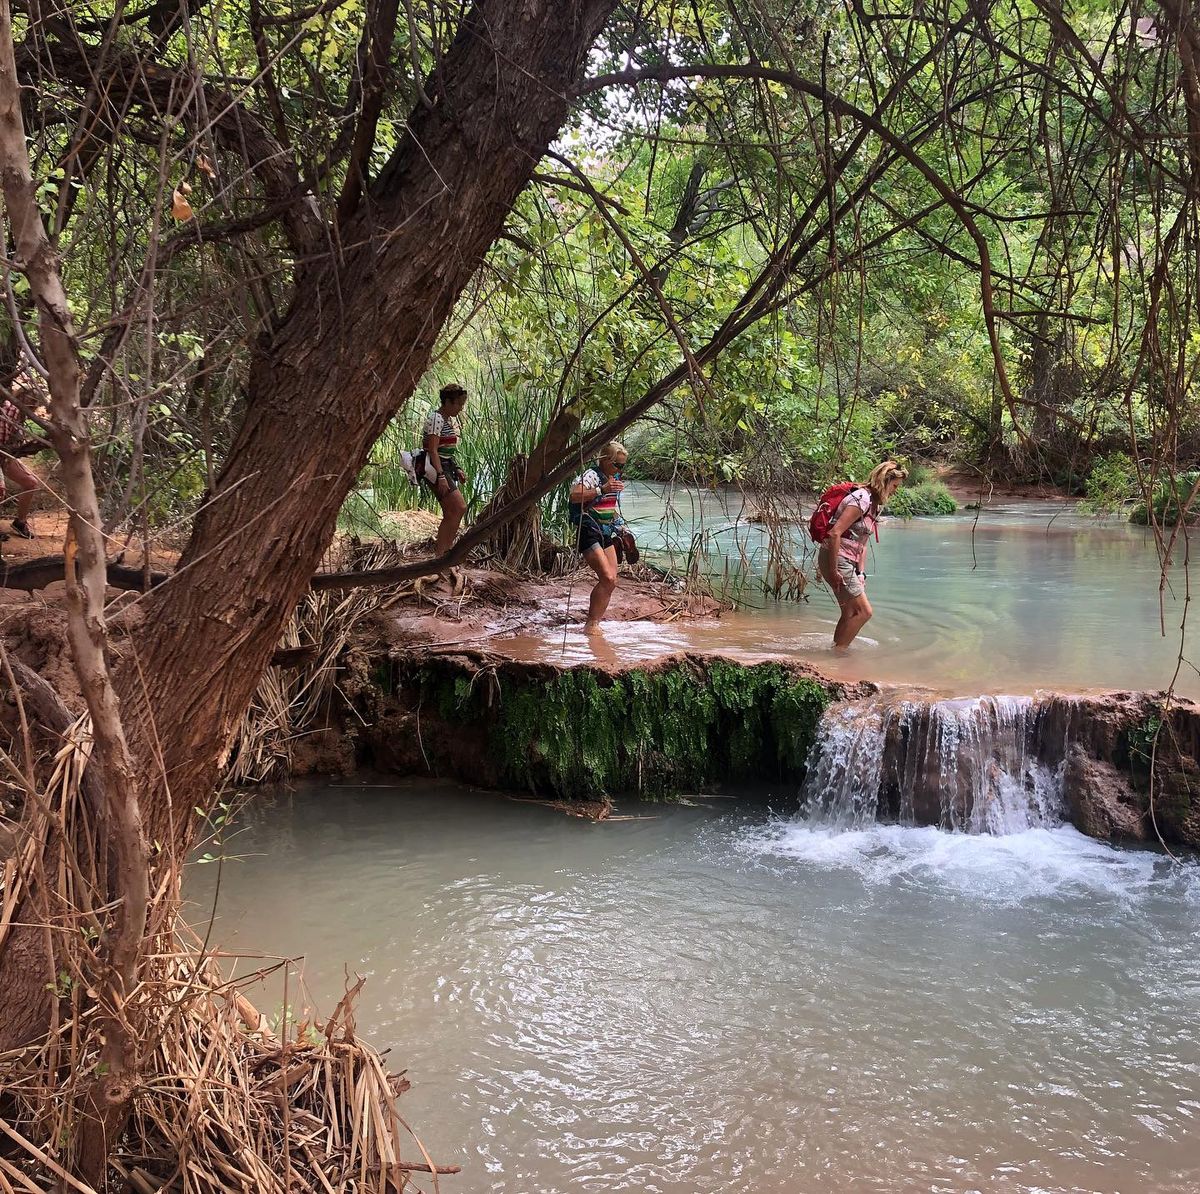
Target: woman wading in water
594, 497
843, 553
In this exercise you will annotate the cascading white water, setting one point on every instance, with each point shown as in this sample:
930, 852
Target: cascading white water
973, 765
845, 771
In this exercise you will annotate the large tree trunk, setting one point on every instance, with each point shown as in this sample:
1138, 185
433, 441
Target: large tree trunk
520, 540
356, 340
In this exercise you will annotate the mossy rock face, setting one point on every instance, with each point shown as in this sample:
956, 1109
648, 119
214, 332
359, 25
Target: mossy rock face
657, 731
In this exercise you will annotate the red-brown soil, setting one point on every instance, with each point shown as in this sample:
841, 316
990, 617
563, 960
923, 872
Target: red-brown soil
490, 603
969, 488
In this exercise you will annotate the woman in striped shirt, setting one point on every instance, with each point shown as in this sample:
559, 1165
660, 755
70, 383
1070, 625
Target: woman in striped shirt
442, 472
594, 497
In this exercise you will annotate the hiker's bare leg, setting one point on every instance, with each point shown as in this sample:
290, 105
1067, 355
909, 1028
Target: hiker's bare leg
856, 613
603, 562
27, 482
454, 506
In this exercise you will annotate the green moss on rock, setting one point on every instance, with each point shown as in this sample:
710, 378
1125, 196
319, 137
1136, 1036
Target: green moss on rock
655, 731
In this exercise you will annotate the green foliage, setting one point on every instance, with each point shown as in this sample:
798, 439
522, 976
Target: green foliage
501, 421
1111, 485
1140, 740
1173, 500
657, 732
928, 498
1149, 749
876, 347
359, 514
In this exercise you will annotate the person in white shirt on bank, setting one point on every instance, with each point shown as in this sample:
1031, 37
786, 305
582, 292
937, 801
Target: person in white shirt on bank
442, 472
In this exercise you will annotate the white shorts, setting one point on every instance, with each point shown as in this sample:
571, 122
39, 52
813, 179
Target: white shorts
854, 583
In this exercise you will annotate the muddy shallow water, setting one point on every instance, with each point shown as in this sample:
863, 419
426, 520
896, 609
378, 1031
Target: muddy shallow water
712, 998
1027, 596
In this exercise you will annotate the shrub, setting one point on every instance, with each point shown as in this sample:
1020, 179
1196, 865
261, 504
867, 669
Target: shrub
913, 501
1168, 496
1111, 485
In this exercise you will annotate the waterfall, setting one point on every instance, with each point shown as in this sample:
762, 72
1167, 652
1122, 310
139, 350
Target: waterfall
845, 772
974, 765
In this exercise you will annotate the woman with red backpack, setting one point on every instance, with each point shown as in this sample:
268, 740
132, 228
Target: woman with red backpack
845, 519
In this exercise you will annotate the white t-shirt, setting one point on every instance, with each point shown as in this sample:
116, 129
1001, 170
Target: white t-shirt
445, 427
588, 478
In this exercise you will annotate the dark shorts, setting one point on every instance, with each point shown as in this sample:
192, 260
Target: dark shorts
452, 482
451, 472
591, 534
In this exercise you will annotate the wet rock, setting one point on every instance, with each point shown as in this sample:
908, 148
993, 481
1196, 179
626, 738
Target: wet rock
406, 742
1101, 799
1120, 766
1132, 772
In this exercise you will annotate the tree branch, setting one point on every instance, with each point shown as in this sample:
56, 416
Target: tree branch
107, 1095
234, 127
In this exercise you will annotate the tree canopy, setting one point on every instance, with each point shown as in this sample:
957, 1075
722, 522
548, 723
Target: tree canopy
815, 234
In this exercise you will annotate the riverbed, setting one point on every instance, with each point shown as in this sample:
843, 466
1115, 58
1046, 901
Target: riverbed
717, 997
1018, 597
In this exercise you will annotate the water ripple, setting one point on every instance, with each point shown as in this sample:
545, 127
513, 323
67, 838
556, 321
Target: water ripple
709, 1001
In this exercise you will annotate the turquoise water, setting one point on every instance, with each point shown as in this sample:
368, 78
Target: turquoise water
713, 999
1023, 597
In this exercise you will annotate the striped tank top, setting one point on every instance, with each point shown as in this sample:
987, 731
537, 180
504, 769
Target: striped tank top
603, 509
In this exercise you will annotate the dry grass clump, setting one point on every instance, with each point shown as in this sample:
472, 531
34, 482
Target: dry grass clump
219, 1101
295, 698
223, 1103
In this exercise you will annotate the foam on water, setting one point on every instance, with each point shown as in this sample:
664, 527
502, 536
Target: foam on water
692, 1001
1059, 863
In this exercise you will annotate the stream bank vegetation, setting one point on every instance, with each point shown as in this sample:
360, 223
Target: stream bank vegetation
770, 242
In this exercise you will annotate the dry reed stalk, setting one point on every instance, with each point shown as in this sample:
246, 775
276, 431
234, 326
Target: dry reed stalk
220, 1103
218, 1107
291, 702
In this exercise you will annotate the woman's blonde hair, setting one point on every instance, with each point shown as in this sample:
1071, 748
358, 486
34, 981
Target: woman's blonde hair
885, 475
612, 450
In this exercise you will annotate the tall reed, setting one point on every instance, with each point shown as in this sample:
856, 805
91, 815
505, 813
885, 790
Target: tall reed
504, 417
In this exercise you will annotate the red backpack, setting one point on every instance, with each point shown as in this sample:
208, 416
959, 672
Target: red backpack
827, 508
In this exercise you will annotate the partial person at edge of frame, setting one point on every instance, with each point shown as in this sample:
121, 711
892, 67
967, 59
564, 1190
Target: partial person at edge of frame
15, 442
